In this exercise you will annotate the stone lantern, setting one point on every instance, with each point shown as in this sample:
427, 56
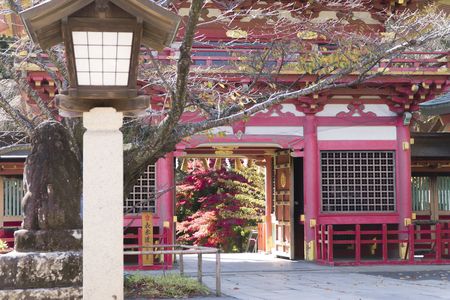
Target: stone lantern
102, 39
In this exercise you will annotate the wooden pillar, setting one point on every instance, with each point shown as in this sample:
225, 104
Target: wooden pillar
404, 194
165, 179
269, 203
2, 200
311, 184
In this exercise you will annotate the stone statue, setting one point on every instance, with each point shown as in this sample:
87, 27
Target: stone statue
53, 182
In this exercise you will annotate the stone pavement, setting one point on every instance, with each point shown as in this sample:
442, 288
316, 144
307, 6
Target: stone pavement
258, 276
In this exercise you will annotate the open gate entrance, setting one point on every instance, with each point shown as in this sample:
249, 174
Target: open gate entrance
288, 205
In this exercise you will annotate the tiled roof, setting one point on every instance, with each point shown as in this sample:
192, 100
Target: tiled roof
438, 106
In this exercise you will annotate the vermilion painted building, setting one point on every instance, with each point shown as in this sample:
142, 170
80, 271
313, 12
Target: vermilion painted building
341, 187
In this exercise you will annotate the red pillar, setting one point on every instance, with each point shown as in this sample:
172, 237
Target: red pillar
311, 184
404, 195
269, 202
165, 203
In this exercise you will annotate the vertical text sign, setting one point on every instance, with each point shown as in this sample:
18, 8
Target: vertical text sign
147, 237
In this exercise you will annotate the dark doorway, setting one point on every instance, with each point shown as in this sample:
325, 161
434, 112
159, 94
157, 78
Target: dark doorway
299, 251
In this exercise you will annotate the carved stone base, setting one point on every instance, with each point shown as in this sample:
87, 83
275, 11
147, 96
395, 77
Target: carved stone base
48, 240
40, 270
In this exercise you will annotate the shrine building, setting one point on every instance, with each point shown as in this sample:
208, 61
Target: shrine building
347, 182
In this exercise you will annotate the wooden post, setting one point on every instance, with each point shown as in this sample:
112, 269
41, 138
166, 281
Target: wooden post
311, 184
385, 242
199, 268
140, 261
165, 203
358, 244
181, 264
411, 243
269, 202
322, 241
330, 244
218, 275
438, 242
147, 237
2, 200
404, 193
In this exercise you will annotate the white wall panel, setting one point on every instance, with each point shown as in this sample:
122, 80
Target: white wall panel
356, 133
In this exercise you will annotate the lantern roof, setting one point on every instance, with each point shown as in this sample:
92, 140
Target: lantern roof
44, 21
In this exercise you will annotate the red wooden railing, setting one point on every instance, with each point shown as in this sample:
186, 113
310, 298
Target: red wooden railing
159, 262
436, 237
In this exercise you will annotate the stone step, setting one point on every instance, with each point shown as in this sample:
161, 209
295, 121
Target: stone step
61, 293
40, 270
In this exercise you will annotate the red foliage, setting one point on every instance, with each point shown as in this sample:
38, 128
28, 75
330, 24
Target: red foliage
209, 211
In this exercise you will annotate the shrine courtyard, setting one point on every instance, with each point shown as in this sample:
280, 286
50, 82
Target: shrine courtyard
258, 276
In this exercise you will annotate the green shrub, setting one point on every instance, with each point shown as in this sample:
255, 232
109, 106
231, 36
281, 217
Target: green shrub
169, 286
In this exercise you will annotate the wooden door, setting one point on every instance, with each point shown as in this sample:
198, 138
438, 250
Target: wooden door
282, 200
431, 196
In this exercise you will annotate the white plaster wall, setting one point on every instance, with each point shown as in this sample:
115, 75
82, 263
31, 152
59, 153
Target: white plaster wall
274, 130
356, 133
290, 108
381, 110
331, 110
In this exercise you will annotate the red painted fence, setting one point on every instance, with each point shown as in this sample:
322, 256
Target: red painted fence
429, 245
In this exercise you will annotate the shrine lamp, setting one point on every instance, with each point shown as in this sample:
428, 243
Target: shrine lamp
102, 39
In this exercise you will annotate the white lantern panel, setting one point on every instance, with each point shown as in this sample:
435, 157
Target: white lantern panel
109, 65
96, 78
83, 78
79, 38
124, 52
102, 58
125, 39
109, 78
96, 65
110, 38
95, 52
122, 79
82, 64
123, 65
81, 51
95, 38
109, 51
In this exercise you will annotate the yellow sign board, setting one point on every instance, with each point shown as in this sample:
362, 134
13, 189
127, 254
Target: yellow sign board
147, 237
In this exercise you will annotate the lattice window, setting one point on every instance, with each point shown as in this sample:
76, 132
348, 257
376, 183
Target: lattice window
421, 193
12, 196
142, 198
443, 186
357, 181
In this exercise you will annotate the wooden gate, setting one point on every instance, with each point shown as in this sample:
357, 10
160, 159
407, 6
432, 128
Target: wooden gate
282, 199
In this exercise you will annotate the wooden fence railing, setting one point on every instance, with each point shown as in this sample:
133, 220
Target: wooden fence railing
433, 242
168, 250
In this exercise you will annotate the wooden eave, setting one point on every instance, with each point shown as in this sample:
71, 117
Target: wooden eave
430, 145
160, 25
43, 22
438, 106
